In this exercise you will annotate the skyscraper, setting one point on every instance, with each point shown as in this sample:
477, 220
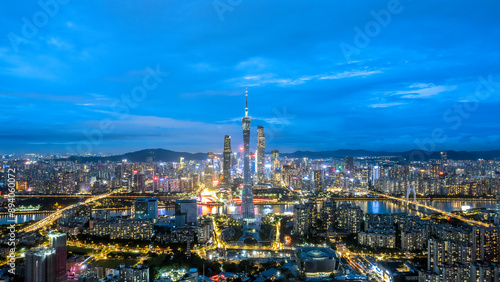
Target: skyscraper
319, 180
138, 182
275, 167
58, 243
209, 171
226, 166
444, 159
275, 154
375, 173
211, 163
247, 207
261, 160
349, 163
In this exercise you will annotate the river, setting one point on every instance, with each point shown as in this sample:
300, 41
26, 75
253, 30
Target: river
371, 206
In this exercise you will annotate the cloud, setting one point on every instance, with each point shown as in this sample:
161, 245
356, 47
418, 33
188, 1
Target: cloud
60, 44
348, 74
275, 120
254, 64
299, 66
386, 105
271, 78
422, 90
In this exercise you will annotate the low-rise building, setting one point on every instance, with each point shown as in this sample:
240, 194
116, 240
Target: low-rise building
316, 261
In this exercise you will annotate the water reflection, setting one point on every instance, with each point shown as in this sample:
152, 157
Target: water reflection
5, 219
374, 206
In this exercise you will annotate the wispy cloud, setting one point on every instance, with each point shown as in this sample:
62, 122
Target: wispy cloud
144, 122
255, 63
347, 74
422, 90
60, 44
385, 105
270, 78
274, 120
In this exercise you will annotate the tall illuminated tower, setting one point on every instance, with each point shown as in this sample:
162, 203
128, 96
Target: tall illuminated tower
226, 159
261, 147
247, 207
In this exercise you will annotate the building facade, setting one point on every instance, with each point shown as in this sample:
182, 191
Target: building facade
146, 208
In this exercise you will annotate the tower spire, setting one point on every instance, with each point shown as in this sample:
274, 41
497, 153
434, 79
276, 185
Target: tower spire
246, 101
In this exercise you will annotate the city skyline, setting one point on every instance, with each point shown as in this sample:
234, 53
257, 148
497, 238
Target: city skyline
327, 82
232, 140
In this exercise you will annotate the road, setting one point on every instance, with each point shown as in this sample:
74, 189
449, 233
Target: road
57, 214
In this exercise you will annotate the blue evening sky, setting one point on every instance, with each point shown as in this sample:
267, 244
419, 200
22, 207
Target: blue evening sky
322, 75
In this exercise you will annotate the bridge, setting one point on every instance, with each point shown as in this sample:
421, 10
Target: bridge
459, 217
57, 214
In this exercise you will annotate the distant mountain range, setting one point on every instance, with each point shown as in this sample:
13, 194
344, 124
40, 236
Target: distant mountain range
413, 154
143, 155
172, 156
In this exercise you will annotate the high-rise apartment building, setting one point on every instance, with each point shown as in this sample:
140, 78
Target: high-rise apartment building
442, 253
486, 243
484, 271
375, 174
412, 240
319, 180
327, 213
304, 218
67, 180
349, 217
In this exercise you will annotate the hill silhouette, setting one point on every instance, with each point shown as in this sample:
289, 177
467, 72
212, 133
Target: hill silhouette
413, 155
